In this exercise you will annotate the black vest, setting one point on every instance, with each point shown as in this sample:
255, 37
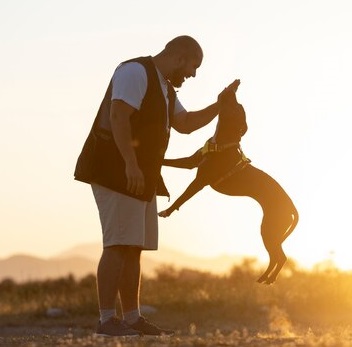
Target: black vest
100, 160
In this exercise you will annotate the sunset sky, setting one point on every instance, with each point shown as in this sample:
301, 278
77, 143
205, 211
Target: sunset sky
293, 59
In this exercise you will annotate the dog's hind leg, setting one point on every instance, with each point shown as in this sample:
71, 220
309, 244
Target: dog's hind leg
280, 216
191, 190
277, 261
273, 242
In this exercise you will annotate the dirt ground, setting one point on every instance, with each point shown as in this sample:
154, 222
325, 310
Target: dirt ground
63, 336
79, 331
60, 335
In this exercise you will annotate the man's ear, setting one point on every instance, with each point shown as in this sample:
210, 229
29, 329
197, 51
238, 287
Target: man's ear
180, 60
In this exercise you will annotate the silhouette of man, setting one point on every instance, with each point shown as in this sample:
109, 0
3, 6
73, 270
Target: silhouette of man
122, 159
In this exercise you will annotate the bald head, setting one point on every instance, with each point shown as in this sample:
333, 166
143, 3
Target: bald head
179, 60
184, 45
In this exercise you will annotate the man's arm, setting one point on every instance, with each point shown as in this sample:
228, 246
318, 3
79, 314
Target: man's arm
186, 122
120, 113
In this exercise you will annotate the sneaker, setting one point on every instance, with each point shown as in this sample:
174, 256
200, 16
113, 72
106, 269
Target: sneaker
148, 329
115, 327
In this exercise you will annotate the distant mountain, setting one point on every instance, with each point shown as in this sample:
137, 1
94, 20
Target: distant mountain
82, 260
86, 250
26, 268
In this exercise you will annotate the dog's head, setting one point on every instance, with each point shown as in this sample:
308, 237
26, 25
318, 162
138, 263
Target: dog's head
232, 113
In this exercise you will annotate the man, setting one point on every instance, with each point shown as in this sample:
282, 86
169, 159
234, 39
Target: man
122, 160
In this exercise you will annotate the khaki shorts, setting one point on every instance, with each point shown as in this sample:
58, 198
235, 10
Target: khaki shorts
125, 220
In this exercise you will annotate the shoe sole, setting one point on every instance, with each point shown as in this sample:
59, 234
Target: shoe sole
125, 336
161, 335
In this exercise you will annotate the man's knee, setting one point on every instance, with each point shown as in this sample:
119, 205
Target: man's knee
122, 253
133, 252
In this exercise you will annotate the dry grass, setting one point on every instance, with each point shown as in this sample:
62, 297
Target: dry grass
301, 309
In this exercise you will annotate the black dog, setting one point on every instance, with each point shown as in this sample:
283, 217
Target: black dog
222, 165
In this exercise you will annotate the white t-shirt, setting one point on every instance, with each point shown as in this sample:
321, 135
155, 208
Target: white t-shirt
129, 83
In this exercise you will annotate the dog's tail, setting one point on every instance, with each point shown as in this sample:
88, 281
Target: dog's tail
295, 219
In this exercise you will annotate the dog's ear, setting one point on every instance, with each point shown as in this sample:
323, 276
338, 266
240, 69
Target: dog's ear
231, 90
234, 85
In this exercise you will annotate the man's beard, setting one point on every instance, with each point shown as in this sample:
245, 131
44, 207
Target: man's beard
177, 78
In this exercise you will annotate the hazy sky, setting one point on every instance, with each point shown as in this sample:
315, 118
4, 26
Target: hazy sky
294, 62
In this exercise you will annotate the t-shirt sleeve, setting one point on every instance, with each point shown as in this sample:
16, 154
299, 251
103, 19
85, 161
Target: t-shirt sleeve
178, 106
129, 83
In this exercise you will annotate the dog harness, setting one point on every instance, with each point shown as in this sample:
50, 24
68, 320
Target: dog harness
240, 165
214, 147
211, 147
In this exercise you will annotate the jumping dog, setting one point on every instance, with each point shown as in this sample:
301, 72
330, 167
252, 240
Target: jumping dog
222, 164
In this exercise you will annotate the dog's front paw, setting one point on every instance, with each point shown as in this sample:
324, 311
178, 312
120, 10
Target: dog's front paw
164, 214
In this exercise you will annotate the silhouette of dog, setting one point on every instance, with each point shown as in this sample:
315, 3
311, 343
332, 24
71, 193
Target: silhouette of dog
222, 164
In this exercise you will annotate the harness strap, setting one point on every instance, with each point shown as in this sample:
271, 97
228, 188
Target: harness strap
210, 147
241, 164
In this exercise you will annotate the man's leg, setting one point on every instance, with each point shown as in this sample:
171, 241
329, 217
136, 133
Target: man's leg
129, 296
108, 276
108, 282
124, 220
130, 285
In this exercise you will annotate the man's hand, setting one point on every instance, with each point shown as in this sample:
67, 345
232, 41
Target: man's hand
135, 179
120, 114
